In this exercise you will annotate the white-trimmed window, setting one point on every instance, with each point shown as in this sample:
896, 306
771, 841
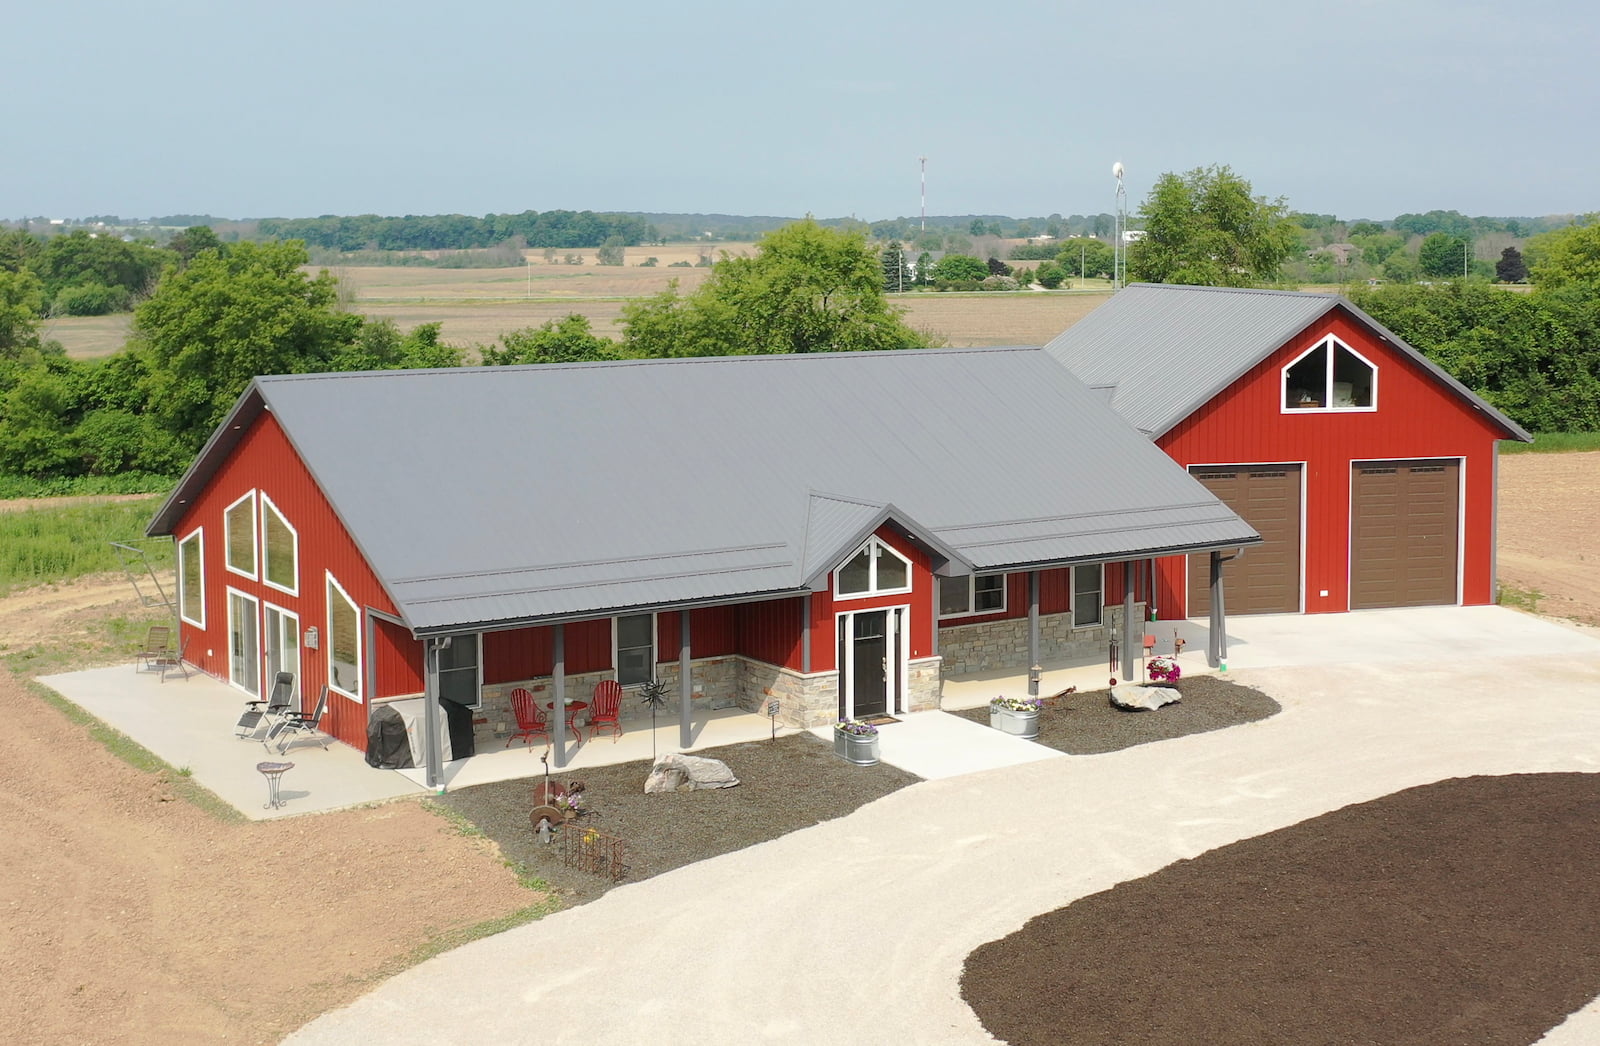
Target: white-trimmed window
1330, 376
1088, 595
875, 569
239, 535
344, 641
280, 549
633, 640
461, 671
973, 594
192, 579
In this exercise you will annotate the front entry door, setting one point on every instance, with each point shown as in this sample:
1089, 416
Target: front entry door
869, 678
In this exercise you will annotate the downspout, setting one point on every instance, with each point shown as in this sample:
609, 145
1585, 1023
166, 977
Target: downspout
1128, 634
685, 684
1034, 668
558, 678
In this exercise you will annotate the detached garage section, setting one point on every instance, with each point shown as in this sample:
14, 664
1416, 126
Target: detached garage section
1368, 471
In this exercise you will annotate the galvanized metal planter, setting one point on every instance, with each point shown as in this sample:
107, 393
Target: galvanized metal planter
1008, 721
860, 749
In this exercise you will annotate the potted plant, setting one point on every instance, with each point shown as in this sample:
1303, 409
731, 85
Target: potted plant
1015, 715
855, 741
1164, 668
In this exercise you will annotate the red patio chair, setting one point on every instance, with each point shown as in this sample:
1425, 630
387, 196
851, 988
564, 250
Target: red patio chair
606, 708
530, 718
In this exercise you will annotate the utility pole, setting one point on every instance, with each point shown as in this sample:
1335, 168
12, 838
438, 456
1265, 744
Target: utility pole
923, 160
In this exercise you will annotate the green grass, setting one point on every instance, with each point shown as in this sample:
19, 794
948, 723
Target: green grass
1554, 443
14, 485
104, 640
1520, 598
58, 544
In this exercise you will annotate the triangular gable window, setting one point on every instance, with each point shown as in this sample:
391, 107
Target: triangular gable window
1330, 376
875, 569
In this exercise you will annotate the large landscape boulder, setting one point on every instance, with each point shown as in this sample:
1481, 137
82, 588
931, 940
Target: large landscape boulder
675, 772
1136, 698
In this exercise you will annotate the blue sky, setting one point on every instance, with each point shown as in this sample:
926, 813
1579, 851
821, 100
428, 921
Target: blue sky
1361, 108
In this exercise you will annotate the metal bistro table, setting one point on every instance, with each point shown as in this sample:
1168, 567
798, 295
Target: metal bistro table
273, 772
573, 708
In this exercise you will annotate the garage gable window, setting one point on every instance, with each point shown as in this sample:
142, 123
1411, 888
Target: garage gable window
1330, 376
875, 569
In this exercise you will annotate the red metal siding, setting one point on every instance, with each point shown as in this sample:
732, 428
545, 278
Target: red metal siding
398, 659
1416, 417
265, 461
773, 631
711, 633
923, 600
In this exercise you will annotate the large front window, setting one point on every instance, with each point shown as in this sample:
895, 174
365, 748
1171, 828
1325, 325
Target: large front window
280, 549
192, 580
875, 569
344, 642
960, 596
636, 649
239, 535
1088, 595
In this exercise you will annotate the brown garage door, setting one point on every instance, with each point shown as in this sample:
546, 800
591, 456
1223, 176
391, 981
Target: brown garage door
1403, 517
1266, 579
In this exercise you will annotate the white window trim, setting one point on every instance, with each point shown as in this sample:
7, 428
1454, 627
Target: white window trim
655, 646
197, 535
1329, 342
972, 596
255, 602
1072, 604
227, 538
294, 534
897, 697
299, 657
328, 640
872, 563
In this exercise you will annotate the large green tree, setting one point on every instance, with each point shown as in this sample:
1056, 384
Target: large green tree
1442, 255
568, 340
807, 289
1207, 227
1567, 257
212, 327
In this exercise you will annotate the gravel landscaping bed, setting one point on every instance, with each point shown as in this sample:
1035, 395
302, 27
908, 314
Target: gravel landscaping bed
1087, 723
790, 783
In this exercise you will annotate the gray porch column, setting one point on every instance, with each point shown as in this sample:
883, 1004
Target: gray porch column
558, 676
1217, 641
685, 684
805, 634
1129, 636
1034, 668
432, 756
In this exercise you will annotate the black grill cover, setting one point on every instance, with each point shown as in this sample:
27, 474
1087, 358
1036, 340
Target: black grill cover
388, 748
459, 717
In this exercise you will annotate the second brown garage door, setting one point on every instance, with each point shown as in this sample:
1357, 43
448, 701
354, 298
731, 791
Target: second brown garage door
1403, 518
1266, 579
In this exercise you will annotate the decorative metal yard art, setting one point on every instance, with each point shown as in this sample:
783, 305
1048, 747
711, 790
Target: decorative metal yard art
596, 852
654, 694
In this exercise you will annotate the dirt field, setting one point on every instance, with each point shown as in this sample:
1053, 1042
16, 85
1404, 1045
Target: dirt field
128, 918
1549, 510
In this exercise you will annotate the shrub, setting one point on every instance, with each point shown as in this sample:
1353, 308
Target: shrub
90, 299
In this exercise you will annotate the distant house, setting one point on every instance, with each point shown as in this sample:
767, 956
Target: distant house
1368, 470
830, 532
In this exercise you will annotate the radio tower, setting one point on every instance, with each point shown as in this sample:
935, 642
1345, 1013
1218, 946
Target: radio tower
923, 160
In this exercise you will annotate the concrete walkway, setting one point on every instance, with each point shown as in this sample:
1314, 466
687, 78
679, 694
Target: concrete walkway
855, 931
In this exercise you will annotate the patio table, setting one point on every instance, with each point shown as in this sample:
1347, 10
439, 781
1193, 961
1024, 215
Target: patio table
573, 708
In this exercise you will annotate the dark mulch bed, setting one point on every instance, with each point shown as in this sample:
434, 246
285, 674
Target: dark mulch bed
1466, 911
1087, 723
787, 784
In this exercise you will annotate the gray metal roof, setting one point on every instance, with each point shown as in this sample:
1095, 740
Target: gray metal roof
1164, 350
496, 495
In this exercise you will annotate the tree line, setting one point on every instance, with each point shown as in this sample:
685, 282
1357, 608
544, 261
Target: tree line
460, 231
231, 312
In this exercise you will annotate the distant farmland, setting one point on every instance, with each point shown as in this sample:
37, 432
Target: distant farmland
476, 306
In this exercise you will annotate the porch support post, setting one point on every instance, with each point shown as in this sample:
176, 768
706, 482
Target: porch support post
685, 683
558, 677
431, 755
805, 634
1034, 668
1217, 641
1128, 633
